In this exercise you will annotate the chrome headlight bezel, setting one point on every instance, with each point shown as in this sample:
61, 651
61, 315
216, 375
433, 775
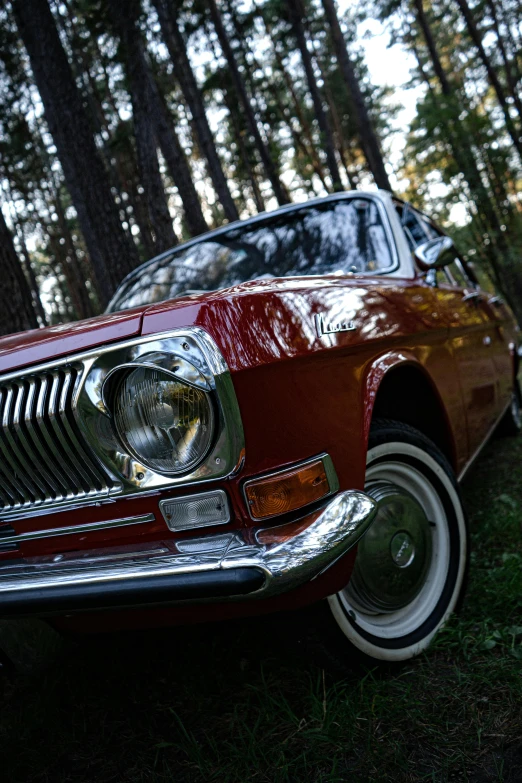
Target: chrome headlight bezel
200, 363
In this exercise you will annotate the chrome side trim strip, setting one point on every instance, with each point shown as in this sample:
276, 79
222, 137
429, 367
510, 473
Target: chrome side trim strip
77, 529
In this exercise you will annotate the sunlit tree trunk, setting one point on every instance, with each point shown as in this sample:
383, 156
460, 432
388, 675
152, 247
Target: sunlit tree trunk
280, 191
511, 67
362, 120
125, 20
500, 257
168, 17
476, 37
296, 16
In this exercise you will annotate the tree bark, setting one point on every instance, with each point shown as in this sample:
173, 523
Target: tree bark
476, 37
296, 17
513, 75
16, 310
176, 161
362, 120
73, 274
168, 18
280, 191
125, 20
500, 256
112, 254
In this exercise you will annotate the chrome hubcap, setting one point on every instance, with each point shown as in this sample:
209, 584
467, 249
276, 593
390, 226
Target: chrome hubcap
394, 555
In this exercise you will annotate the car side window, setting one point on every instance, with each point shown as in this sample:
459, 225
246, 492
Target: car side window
418, 230
456, 275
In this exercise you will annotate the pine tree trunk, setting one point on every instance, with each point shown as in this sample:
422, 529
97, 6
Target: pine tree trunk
244, 155
500, 257
513, 75
280, 191
168, 17
362, 120
112, 254
176, 161
476, 37
16, 309
74, 275
296, 16
33, 282
125, 20
305, 140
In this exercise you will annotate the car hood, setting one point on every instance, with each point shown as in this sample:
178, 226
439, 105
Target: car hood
42, 345
53, 342
279, 309
37, 346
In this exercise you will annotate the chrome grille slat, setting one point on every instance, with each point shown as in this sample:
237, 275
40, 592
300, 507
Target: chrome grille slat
56, 429
18, 464
9, 482
57, 421
41, 475
63, 410
44, 459
67, 477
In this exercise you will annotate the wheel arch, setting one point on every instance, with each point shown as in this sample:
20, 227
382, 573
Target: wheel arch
399, 387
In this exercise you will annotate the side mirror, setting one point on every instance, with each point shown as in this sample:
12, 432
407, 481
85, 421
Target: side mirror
435, 254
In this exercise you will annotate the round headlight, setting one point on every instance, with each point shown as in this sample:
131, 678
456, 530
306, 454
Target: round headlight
165, 423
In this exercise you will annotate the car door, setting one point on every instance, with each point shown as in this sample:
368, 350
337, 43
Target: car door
503, 333
473, 340
471, 334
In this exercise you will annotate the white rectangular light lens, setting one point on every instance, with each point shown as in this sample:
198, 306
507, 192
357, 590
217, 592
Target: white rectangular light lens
194, 511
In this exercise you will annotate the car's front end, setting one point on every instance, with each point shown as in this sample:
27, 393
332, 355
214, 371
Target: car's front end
124, 485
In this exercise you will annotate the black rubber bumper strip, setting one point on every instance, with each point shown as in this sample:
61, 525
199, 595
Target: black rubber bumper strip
140, 591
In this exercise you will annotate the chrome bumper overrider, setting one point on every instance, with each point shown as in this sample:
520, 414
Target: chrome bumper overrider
205, 568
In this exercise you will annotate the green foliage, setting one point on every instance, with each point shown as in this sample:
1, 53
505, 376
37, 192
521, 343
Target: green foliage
459, 161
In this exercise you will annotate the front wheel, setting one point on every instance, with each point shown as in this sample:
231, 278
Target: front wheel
411, 565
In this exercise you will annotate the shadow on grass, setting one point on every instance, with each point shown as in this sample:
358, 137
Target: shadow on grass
242, 701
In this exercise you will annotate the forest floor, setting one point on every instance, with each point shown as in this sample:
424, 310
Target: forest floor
242, 701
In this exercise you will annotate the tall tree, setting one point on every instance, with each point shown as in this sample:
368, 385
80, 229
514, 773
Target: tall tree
126, 20
112, 254
16, 311
487, 209
169, 21
510, 60
362, 119
175, 158
296, 11
279, 189
476, 37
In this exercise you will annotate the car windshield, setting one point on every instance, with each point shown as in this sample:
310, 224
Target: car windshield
339, 237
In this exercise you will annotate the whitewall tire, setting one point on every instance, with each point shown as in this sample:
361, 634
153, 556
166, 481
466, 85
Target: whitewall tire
411, 566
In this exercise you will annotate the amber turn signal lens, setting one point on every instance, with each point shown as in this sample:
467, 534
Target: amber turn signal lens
288, 491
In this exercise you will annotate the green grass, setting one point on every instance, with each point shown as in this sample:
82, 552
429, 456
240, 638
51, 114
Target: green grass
242, 701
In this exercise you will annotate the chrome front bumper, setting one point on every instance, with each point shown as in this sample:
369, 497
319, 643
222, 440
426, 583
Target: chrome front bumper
222, 566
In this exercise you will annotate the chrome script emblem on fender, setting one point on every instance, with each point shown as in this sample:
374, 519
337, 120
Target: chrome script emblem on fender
331, 327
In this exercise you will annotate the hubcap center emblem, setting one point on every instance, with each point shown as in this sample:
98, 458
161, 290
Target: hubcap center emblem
402, 549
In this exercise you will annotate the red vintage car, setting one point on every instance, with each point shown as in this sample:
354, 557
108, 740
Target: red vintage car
274, 414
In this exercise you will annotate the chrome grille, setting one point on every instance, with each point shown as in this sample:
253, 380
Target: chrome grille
44, 459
